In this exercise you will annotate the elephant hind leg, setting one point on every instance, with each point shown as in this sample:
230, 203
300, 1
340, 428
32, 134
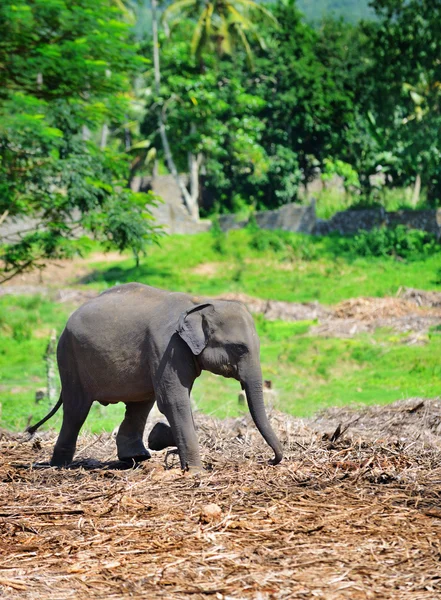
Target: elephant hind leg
161, 436
129, 437
75, 412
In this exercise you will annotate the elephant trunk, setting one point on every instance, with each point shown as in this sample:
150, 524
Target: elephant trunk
254, 392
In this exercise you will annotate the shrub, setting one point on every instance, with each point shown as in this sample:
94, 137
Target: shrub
292, 246
398, 241
219, 237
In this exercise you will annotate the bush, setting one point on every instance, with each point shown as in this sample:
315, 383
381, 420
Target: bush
399, 241
292, 246
219, 237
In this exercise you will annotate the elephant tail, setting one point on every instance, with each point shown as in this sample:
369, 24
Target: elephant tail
33, 429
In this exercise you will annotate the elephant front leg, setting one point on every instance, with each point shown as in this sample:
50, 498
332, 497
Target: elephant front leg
179, 415
129, 438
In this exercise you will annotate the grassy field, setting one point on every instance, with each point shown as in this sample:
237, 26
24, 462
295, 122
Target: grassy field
308, 372
274, 265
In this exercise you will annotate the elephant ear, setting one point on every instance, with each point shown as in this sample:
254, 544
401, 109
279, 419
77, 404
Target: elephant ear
193, 328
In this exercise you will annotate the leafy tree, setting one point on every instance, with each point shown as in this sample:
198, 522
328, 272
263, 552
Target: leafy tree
65, 71
226, 128
220, 25
307, 79
402, 98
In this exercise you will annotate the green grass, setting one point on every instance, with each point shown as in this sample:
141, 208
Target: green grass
285, 266
312, 373
308, 372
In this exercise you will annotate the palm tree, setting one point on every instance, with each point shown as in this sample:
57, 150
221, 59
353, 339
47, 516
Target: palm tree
221, 25
134, 13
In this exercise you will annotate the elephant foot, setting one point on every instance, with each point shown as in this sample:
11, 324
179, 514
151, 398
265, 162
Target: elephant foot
61, 458
131, 450
161, 437
195, 470
137, 458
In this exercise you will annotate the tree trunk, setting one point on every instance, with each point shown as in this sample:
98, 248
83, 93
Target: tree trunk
416, 191
85, 133
191, 206
193, 168
127, 136
104, 134
194, 163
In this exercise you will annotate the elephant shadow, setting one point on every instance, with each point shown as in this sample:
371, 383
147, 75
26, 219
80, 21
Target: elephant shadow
171, 460
88, 464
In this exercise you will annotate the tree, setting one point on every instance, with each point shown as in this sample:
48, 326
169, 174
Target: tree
65, 70
224, 23
226, 130
262, 132
220, 25
403, 97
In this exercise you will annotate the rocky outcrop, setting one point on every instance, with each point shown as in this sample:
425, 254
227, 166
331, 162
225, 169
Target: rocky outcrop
171, 213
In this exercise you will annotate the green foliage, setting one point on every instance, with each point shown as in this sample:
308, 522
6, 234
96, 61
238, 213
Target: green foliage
359, 101
411, 244
220, 26
338, 168
399, 98
282, 242
219, 237
61, 81
258, 132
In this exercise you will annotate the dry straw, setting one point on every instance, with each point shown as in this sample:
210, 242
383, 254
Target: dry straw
353, 512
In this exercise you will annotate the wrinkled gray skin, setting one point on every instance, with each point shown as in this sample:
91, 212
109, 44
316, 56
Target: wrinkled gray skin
137, 344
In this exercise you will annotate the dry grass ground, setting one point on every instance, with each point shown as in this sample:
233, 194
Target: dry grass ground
350, 514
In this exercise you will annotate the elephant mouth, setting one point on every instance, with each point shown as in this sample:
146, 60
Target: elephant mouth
229, 371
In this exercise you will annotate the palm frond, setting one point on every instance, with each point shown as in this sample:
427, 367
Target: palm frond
176, 7
128, 12
238, 17
199, 31
208, 21
226, 45
246, 45
258, 8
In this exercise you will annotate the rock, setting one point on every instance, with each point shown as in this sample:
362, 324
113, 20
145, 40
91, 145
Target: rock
210, 513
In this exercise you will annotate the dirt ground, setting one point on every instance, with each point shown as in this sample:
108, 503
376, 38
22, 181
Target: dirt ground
353, 512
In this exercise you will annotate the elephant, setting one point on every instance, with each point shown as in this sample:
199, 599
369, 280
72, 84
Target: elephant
137, 344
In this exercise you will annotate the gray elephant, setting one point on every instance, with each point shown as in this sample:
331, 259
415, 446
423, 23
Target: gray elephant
137, 344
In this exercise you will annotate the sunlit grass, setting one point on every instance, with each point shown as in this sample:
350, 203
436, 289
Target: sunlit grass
312, 269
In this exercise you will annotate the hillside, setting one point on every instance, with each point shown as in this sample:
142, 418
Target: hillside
350, 10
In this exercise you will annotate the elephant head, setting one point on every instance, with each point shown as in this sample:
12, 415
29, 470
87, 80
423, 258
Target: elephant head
223, 339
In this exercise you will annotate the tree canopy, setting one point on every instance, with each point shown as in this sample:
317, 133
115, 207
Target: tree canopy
66, 70
252, 100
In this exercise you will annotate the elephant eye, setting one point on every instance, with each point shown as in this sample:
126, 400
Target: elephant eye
238, 349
